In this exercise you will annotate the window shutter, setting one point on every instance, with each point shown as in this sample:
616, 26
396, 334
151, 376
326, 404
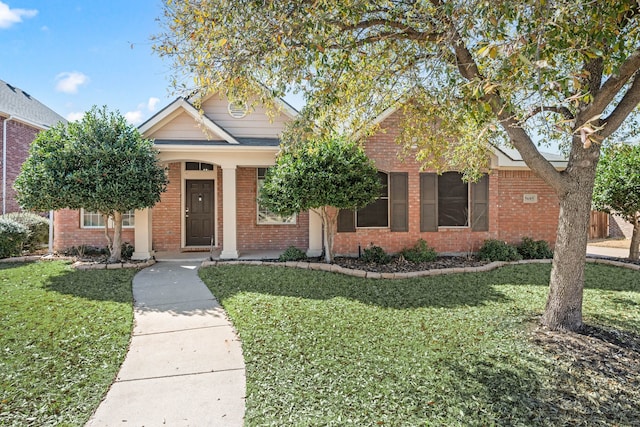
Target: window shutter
346, 221
428, 202
480, 204
399, 201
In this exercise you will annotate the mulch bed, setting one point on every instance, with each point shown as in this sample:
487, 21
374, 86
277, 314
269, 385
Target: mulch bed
400, 265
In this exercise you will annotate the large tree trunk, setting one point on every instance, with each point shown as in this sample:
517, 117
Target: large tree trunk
329, 225
116, 251
634, 249
564, 303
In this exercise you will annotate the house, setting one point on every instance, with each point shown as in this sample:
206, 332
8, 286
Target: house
22, 117
217, 160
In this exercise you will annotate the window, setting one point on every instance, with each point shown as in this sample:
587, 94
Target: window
377, 213
195, 166
391, 209
453, 200
95, 220
264, 215
447, 201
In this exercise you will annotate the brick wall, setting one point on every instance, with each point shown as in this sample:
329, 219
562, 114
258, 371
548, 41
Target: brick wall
517, 219
67, 232
509, 218
166, 215
19, 138
252, 235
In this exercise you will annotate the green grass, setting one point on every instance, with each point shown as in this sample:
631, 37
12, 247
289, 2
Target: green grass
63, 336
326, 349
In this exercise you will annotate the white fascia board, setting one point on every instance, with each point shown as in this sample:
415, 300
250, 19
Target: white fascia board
173, 110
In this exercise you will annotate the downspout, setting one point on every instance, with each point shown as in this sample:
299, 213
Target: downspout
4, 163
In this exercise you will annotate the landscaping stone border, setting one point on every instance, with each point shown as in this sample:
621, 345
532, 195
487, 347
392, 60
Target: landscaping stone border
334, 268
82, 265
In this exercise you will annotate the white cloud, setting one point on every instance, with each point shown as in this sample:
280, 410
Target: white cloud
152, 104
75, 116
134, 117
68, 82
9, 16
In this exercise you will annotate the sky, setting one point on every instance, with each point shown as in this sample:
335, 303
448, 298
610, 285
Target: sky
73, 54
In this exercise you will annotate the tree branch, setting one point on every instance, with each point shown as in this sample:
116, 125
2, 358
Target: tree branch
629, 102
564, 111
518, 136
405, 31
611, 87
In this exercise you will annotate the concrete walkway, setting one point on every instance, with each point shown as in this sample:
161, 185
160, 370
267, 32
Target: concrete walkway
602, 251
184, 366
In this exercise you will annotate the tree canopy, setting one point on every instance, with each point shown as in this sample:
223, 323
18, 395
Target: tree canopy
617, 187
523, 72
323, 175
100, 163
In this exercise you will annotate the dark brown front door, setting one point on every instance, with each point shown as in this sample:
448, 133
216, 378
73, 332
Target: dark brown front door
199, 212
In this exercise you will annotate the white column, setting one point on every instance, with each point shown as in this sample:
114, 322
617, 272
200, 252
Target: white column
229, 212
143, 234
315, 234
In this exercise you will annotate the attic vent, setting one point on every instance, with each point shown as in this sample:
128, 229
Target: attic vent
237, 111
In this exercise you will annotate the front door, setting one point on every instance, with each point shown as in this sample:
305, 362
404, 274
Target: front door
199, 217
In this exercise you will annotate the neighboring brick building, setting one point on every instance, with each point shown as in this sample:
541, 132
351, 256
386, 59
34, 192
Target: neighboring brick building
21, 118
216, 162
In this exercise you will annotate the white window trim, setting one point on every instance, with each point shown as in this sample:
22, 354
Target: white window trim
96, 227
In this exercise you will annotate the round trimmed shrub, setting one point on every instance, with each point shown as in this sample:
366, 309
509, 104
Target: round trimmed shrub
534, 249
292, 254
420, 252
38, 228
375, 254
497, 250
13, 235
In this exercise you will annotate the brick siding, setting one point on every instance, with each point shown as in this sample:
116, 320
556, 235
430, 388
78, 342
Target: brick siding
509, 218
19, 139
67, 232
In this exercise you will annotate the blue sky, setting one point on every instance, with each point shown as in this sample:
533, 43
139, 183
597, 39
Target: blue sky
72, 54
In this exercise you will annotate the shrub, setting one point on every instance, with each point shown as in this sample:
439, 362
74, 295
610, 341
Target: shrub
534, 249
375, 254
497, 250
13, 235
126, 250
292, 254
38, 228
420, 252
85, 250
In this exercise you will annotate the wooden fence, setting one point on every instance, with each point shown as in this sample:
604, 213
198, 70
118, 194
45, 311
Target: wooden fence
598, 225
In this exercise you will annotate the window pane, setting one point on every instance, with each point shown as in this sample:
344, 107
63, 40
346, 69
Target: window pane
453, 200
264, 215
206, 167
192, 166
95, 219
374, 215
377, 213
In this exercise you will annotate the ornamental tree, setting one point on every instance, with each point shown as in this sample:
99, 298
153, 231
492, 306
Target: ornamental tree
324, 176
526, 73
101, 164
617, 188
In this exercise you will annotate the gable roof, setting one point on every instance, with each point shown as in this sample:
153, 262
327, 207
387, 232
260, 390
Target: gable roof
18, 103
176, 107
506, 157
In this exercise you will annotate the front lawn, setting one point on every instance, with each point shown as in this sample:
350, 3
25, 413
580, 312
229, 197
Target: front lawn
457, 350
64, 335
